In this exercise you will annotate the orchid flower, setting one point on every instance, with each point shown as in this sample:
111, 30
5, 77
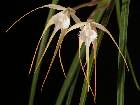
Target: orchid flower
61, 20
88, 35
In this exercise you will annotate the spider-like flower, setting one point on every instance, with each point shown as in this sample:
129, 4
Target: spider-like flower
61, 20
88, 35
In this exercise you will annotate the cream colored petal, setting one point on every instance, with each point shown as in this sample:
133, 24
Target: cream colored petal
50, 22
105, 30
78, 25
60, 59
87, 61
59, 42
54, 6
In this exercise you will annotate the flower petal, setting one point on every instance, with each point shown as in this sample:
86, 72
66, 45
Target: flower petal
54, 6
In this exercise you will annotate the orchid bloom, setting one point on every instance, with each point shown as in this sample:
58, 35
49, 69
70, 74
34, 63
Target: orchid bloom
88, 35
61, 20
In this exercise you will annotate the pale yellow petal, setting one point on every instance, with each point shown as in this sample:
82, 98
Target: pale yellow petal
61, 62
104, 29
61, 37
87, 61
78, 25
54, 6
50, 22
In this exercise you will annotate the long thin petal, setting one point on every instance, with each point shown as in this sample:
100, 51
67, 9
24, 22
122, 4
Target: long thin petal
94, 49
75, 18
50, 39
80, 45
61, 37
88, 83
50, 22
87, 61
60, 59
104, 29
54, 6
78, 25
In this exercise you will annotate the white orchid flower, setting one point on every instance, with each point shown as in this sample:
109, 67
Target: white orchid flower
88, 35
61, 20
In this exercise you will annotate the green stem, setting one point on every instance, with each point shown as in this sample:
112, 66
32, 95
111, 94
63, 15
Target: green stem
117, 2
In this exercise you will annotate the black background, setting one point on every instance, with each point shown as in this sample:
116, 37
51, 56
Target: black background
17, 47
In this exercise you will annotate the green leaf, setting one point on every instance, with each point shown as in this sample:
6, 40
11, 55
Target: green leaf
41, 49
71, 90
123, 24
127, 53
132, 71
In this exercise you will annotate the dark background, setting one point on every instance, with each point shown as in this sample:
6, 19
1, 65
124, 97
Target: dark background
17, 47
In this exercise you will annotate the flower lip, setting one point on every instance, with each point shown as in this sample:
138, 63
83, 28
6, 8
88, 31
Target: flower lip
87, 34
62, 20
